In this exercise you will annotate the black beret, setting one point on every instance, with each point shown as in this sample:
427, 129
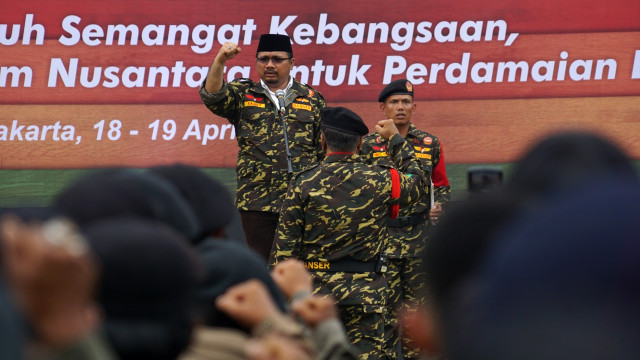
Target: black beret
274, 42
343, 119
398, 87
210, 200
227, 264
148, 286
116, 192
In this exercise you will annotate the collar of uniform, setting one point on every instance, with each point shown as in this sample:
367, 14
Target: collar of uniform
341, 157
272, 94
413, 131
289, 84
295, 88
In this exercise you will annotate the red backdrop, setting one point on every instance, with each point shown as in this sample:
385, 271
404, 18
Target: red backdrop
479, 116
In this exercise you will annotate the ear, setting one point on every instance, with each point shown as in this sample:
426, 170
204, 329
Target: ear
359, 146
293, 61
382, 104
323, 143
420, 326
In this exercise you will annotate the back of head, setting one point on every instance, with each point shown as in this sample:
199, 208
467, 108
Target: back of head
110, 193
227, 264
457, 246
561, 282
147, 288
564, 159
209, 199
342, 128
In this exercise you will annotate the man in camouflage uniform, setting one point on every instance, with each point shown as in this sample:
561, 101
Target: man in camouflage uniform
253, 109
334, 219
409, 231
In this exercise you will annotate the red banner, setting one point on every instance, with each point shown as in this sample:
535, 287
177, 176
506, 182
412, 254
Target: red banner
115, 83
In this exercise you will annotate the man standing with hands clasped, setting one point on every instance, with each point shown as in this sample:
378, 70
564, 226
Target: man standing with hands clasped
408, 232
264, 167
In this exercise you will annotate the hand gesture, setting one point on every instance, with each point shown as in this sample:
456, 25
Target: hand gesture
228, 51
249, 303
292, 277
53, 275
386, 128
315, 309
435, 214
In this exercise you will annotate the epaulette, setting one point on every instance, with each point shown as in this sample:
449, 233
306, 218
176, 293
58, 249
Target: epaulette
243, 80
309, 168
372, 136
386, 166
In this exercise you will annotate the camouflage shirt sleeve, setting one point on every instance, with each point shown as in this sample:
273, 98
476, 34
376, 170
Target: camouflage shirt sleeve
413, 184
226, 102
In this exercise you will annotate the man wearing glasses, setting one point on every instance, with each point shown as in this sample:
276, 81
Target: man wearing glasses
253, 108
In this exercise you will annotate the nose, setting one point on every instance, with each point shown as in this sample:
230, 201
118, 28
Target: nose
270, 64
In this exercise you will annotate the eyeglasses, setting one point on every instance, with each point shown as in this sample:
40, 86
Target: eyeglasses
276, 59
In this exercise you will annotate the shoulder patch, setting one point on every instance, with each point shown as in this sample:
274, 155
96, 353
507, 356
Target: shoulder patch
311, 91
253, 98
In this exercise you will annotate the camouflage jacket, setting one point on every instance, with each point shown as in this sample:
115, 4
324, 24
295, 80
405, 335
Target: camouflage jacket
338, 210
410, 240
262, 162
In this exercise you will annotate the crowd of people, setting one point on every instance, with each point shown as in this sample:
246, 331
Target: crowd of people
353, 249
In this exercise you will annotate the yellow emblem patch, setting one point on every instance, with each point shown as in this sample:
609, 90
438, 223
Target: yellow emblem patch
301, 106
423, 156
379, 154
253, 103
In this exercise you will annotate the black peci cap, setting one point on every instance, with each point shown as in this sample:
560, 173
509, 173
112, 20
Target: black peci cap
343, 119
398, 87
274, 42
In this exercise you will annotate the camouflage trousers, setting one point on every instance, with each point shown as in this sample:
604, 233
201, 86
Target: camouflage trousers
406, 281
365, 326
